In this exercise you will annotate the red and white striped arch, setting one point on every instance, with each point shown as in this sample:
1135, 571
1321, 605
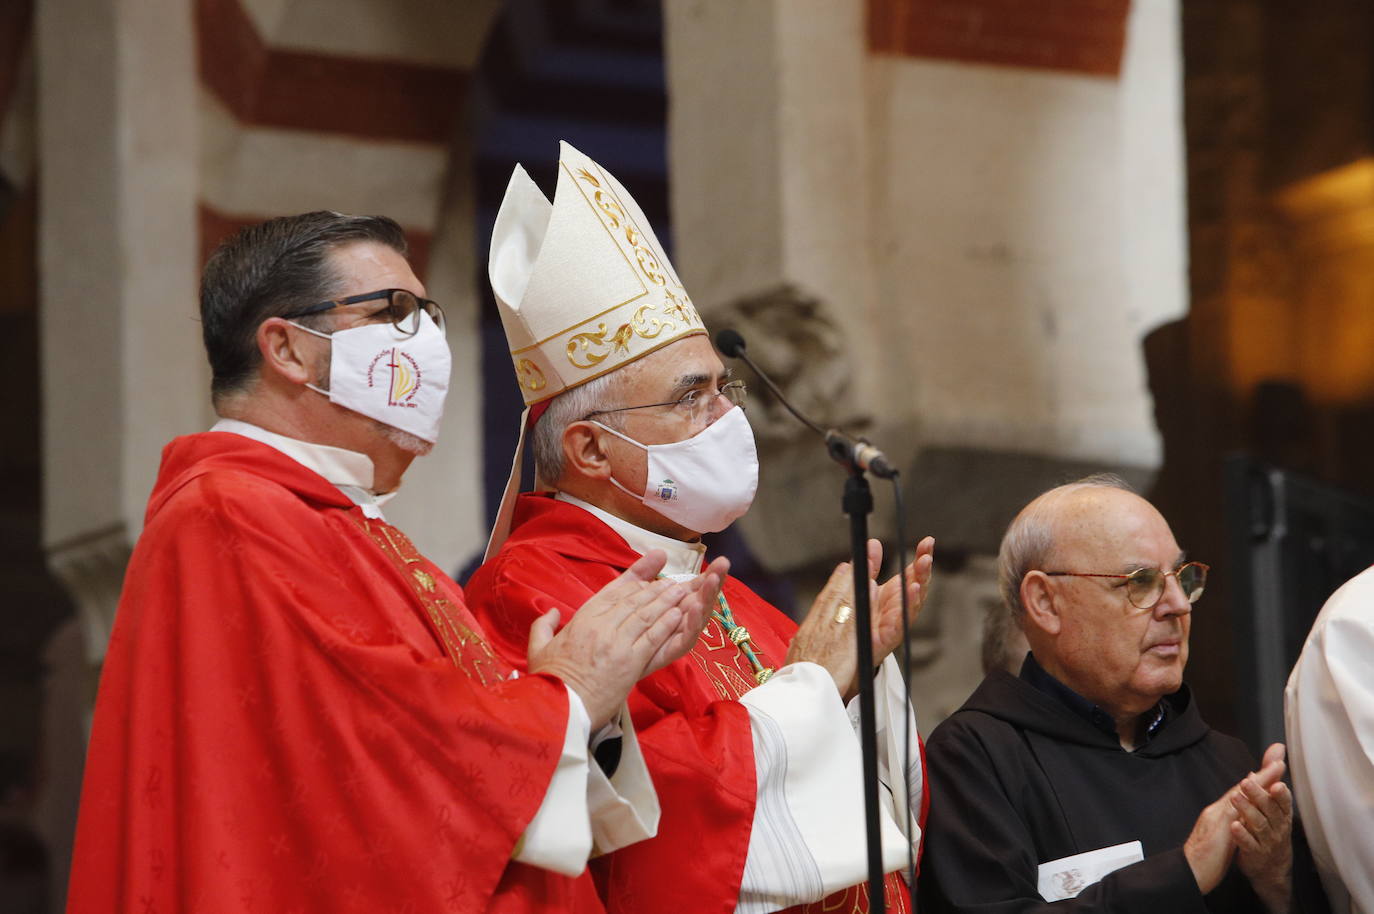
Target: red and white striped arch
350, 105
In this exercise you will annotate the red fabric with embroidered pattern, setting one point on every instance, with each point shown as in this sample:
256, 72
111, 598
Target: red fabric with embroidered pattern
298, 713
695, 736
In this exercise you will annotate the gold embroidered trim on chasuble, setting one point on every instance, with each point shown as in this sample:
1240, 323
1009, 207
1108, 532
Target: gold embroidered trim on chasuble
720, 659
854, 900
468, 650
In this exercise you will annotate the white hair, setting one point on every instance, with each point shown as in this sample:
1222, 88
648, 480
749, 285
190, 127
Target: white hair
1029, 539
573, 405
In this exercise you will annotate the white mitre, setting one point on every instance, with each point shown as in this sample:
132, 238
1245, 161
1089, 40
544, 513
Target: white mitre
582, 284
583, 287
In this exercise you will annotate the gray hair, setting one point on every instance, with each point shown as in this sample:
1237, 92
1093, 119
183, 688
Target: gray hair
573, 405
1029, 539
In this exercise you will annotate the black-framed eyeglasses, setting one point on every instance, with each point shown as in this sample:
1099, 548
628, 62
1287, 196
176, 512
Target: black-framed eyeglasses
1145, 586
693, 403
403, 308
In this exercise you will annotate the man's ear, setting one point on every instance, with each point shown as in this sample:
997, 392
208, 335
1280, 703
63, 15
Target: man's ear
285, 351
582, 451
1037, 596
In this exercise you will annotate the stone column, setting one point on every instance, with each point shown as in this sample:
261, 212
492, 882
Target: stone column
122, 364
960, 258
768, 146
440, 506
956, 248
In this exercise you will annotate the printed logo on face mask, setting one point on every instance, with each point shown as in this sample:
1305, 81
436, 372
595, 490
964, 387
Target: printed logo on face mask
367, 358
402, 377
706, 481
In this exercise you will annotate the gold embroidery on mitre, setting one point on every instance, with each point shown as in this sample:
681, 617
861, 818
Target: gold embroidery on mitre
530, 375
588, 345
648, 263
614, 214
582, 342
681, 308
643, 326
424, 579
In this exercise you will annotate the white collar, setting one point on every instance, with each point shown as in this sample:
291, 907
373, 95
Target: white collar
684, 559
348, 471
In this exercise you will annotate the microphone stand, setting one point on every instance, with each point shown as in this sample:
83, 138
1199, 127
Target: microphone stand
857, 503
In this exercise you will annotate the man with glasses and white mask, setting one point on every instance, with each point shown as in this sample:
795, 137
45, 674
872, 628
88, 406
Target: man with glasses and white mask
297, 711
641, 442
1091, 782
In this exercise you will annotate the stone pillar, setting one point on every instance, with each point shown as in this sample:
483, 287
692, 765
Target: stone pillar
768, 146
956, 247
962, 259
440, 506
122, 364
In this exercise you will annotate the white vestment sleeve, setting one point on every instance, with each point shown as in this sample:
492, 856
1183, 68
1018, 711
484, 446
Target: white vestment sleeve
624, 807
559, 837
1330, 717
896, 723
809, 834
583, 808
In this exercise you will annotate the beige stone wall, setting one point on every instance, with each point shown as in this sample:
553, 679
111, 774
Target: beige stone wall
122, 367
959, 257
149, 156
988, 243
1031, 233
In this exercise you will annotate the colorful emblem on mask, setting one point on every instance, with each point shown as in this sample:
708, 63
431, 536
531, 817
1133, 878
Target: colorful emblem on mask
667, 490
402, 377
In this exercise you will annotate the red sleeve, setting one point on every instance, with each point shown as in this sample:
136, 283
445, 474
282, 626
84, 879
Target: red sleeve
698, 749
265, 741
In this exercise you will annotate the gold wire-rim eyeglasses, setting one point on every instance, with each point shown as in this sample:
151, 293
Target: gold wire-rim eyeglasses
1145, 586
734, 391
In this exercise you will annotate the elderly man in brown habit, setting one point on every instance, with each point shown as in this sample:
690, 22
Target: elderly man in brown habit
1091, 781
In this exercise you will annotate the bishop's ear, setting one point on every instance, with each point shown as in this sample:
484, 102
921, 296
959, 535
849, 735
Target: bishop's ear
1038, 599
583, 454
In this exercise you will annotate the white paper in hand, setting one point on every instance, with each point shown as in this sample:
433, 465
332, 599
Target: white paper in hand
1067, 876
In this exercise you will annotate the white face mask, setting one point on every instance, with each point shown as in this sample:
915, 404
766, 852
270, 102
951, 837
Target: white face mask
706, 482
399, 380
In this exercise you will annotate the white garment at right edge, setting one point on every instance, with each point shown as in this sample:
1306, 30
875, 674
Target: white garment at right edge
1329, 706
803, 844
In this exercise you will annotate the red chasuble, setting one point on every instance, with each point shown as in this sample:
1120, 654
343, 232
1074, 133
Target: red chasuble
298, 713
695, 736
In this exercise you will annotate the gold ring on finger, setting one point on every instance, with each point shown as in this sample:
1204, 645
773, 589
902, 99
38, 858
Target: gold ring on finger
843, 613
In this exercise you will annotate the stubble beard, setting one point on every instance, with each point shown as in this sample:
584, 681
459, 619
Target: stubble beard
411, 444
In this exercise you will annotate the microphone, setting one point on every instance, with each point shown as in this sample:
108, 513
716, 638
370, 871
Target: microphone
852, 453
730, 344
858, 452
